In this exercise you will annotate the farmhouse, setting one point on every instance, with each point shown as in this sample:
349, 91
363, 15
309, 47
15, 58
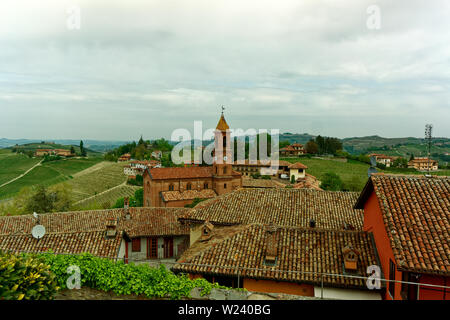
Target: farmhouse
138, 167
57, 152
178, 186
383, 159
124, 157
409, 217
423, 164
293, 150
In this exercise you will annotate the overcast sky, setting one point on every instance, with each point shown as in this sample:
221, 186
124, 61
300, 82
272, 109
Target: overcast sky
149, 67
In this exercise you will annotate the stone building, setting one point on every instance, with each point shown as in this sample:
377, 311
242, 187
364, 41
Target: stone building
176, 187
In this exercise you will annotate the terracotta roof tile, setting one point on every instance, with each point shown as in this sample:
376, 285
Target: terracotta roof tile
261, 183
188, 194
180, 173
416, 215
297, 249
284, 207
297, 165
85, 231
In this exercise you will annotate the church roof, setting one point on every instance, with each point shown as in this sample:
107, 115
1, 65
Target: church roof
222, 125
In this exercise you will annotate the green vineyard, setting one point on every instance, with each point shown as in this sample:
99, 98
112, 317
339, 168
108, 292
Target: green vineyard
107, 199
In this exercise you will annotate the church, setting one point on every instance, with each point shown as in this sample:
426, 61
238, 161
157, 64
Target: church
179, 186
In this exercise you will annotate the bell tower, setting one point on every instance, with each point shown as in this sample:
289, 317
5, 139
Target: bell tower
223, 158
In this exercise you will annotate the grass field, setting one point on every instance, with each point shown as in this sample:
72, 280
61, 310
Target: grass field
96, 179
353, 173
49, 173
108, 199
12, 165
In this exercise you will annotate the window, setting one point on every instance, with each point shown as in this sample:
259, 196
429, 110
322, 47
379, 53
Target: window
224, 185
224, 142
188, 186
152, 248
136, 245
224, 170
171, 187
392, 277
205, 185
168, 247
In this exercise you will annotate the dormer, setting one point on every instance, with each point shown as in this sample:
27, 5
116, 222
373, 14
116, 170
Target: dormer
111, 228
206, 231
350, 258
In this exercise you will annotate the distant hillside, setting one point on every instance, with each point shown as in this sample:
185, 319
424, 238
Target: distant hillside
404, 147
39, 145
302, 138
95, 145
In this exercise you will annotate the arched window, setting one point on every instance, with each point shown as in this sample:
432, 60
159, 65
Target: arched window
205, 185
216, 170
188, 186
224, 143
171, 187
224, 185
224, 170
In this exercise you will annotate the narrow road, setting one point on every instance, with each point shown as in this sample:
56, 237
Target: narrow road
23, 174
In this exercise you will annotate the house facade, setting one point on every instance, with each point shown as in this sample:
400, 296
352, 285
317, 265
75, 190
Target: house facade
409, 218
138, 167
56, 152
178, 186
383, 159
248, 168
423, 164
293, 150
125, 157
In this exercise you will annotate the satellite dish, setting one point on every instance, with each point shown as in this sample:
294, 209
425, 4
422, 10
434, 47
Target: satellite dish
38, 231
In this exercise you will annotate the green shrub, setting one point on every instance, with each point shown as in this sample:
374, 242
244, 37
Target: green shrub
25, 277
331, 182
121, 278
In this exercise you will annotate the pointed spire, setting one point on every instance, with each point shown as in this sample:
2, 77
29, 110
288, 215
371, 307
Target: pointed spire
222, 125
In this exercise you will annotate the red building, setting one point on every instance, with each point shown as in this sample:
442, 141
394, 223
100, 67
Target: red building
409, 217
179, 186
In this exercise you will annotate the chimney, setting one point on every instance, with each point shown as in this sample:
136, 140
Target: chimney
111, 228
350, 258
126, 207
271, 245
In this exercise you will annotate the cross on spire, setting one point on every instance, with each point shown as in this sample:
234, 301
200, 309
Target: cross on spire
223, 108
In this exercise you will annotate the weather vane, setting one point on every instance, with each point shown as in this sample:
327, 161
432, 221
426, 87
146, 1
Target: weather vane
223, 108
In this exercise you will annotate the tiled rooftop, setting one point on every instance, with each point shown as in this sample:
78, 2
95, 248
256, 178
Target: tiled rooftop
416, 215
283, 207
188, 194
297, 249
84, 231
180, 173
261, 183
